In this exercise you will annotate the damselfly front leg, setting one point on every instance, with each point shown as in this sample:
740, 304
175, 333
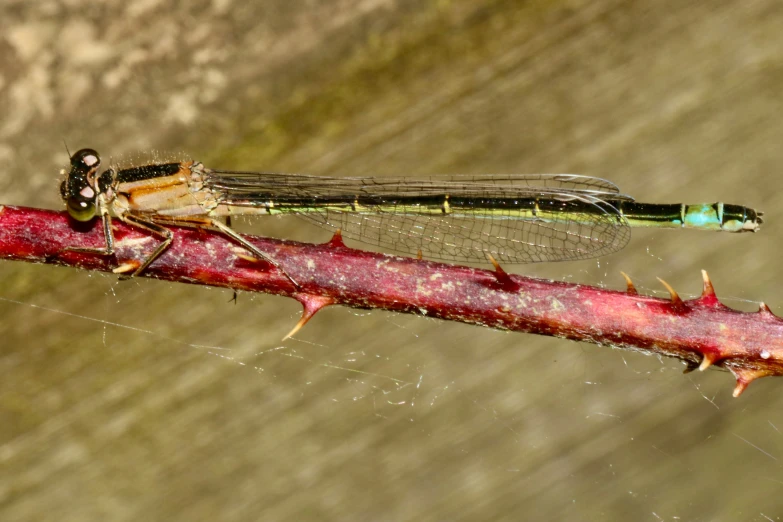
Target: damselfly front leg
108, 250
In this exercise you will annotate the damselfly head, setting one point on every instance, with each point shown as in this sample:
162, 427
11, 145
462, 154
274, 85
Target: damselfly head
80, 188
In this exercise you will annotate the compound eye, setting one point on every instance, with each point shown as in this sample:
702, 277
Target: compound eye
79, 190
81, 201
81, 209
85, 159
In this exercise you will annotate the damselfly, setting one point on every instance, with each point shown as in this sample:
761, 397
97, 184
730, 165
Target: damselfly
514, 218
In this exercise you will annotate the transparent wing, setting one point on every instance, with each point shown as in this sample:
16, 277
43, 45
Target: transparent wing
470, 236
591, 228
503, 182
262, 185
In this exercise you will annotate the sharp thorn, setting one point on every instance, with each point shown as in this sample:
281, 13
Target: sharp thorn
242, 253
708, 297
766, 312
302, 321
246, 257
676, 300
746, 376
501, 276
708, 290
740, 387
494, 263
125, 268
708, 360
311, 304
337, 239
630, 288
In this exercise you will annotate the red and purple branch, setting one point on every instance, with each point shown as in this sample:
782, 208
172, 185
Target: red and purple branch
702, 332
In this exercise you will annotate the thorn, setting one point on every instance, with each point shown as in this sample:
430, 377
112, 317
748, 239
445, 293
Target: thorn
501, 276
746, 376
495, 263
419, 255
740, 387
125, 268
708, 290
246, 257
744, 379
676, 301
243, 255
766, 312
708, 360
337, 239
708, 297
630, 290
303, 321
311, 304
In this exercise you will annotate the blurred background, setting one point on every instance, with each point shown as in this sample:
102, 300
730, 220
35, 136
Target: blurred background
157, 401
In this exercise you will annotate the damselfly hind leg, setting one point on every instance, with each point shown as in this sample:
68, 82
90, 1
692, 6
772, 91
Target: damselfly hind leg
154, 228
228, 231
213, 224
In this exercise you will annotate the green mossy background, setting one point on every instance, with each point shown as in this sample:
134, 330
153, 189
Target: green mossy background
149, 400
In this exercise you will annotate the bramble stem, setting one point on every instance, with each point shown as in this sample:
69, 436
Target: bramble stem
702, 332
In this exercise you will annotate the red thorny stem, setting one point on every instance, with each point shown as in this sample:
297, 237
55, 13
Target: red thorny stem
702, 332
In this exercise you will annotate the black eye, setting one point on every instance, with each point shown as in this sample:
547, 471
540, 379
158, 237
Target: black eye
85, 159
79, 190
81, 209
